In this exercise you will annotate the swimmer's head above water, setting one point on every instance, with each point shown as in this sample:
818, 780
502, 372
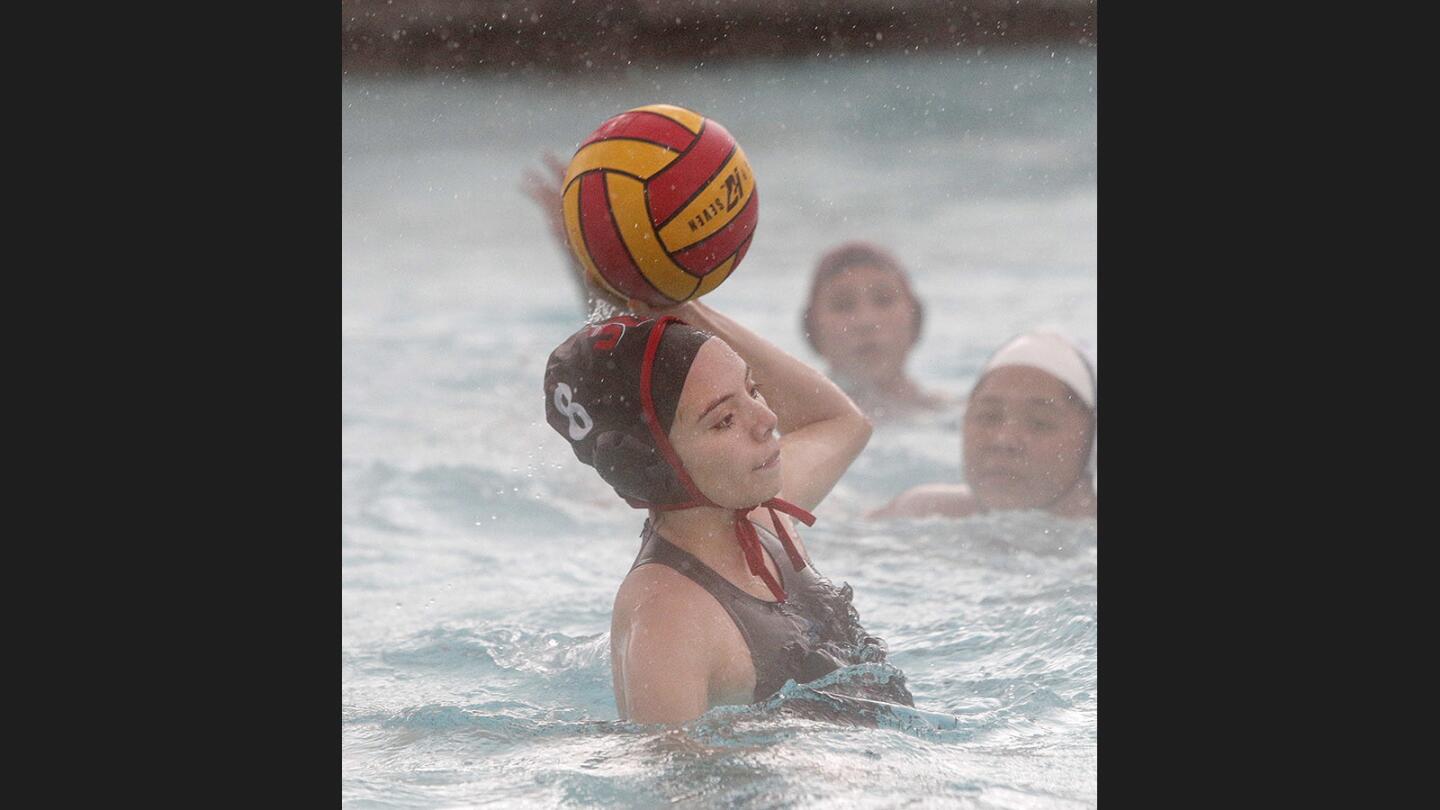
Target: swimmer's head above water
1029, 437
861, 309
669, 416
864, 319
593, 399
1030, 430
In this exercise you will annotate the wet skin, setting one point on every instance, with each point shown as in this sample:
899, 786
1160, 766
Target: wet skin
724, 432
1026, 440
864, 324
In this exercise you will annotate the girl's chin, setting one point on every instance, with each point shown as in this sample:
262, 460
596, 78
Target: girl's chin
757, 497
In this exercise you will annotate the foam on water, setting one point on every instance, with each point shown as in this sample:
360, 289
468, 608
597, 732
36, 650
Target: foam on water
480, 560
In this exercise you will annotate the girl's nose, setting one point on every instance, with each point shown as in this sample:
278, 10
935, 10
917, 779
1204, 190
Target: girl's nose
765, 423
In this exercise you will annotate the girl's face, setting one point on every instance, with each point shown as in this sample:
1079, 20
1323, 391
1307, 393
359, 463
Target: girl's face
864, 322
724, 432
1025, 438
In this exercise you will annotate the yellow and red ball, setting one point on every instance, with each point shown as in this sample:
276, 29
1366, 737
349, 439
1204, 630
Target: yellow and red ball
659, 205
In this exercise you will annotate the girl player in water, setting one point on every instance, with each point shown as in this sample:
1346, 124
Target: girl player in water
864, 319
1029, 437
728, 442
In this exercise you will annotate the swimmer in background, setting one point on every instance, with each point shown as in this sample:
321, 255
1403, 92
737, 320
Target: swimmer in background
864, 319
1029, 437
546, 191
723, 604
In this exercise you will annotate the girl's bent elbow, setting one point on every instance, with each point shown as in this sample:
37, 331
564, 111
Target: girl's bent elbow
864, 428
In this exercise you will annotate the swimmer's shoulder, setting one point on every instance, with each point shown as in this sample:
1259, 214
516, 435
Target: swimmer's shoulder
918, 405
930, 500
938, 400
661, 600
655, 585
660, 612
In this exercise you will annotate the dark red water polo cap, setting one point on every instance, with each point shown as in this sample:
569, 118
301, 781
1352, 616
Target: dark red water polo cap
593, 399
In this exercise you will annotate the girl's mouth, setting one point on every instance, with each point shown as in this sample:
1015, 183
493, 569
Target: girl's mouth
770, 462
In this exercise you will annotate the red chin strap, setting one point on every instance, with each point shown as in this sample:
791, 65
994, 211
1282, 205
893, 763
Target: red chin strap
744, 529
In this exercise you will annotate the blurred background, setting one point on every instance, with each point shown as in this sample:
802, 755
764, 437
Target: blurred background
480, 559
501, 35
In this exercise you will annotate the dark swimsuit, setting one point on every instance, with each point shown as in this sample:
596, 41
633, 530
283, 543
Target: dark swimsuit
814, 632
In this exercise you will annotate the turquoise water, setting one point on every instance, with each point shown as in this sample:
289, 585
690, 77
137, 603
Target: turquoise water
479, 559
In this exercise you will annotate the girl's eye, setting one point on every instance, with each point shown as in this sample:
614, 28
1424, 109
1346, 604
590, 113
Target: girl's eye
725, 423
755, 391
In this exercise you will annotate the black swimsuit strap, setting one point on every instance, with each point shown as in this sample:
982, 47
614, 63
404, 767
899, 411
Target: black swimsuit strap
657, 549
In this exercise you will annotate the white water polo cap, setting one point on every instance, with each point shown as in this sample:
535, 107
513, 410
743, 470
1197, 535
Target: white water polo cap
1064, 360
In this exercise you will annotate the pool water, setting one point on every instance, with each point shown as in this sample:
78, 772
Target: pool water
480, 559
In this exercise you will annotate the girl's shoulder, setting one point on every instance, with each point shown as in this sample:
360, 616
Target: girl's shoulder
939, 400
656, 594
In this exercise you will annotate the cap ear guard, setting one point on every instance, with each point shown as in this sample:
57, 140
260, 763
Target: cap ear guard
635, 468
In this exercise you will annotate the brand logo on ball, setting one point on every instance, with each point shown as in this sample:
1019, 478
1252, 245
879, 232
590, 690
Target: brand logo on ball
734, 188
580, 422
706, 214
